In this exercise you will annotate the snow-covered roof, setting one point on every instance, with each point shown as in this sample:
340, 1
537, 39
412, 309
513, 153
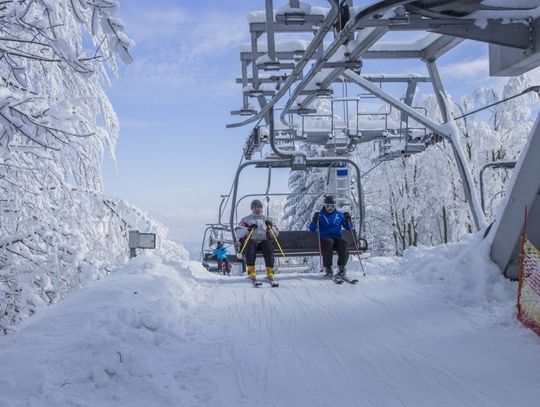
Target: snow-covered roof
259, 16
416, 45
280, 46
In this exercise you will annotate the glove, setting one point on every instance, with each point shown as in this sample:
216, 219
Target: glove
268, 223
347, 216
315, 217
252, 227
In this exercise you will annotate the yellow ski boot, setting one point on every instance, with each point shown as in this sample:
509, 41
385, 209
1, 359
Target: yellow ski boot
270, 276
252, 275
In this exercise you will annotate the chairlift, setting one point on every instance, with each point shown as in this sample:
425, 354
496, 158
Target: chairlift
299, 243
213, 233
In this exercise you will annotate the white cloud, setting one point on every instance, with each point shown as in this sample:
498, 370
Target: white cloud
185, 223
179, 52
217, 32
467, 70
131, 123
155, 23
188, 213
172, 16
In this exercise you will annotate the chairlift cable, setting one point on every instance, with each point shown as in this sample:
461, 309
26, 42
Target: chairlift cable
530, 89
371, 169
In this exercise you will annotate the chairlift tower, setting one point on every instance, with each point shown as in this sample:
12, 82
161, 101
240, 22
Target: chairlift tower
339, 185
284, 74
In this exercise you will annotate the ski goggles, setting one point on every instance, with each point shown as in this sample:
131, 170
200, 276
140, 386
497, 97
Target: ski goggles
330, 206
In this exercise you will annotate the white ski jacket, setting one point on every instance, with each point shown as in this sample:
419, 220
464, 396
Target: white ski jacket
260, 233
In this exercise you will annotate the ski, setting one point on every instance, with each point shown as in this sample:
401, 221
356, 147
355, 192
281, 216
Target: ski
255, 282
272, 282
337, 280
347, 279
333, 278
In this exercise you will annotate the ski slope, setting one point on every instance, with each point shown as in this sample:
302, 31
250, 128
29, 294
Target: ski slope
434, 328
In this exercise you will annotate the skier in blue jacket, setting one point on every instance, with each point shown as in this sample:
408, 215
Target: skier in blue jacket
222, 257
329, 222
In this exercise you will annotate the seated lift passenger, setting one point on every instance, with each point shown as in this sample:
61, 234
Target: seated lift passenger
329, 221
261, 229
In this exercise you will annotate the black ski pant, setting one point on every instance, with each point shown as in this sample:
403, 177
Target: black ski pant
225, 262
250, 252
340, 245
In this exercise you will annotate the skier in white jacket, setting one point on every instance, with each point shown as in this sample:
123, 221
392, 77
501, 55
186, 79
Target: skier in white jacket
261, 231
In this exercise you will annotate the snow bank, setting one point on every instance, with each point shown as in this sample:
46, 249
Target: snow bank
96, 341
461, 273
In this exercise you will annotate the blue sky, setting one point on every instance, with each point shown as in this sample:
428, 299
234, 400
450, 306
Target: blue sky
175, 157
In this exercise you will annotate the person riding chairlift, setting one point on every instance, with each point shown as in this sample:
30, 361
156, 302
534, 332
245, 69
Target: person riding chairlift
329, 222
222, 257
259, 232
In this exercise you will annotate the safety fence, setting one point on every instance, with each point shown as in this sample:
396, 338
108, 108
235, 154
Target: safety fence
528, 304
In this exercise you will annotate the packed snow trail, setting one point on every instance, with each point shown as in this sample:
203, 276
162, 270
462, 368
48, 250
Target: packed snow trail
380, 343
435, 328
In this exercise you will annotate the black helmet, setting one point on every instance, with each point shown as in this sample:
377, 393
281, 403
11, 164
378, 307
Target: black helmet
220, 243
255, 203
329, 199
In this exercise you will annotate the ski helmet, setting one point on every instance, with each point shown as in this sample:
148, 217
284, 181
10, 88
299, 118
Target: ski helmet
329, 199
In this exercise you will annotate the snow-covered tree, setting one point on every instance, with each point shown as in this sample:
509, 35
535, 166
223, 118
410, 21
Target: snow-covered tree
497, 134
419, 200
306, 188
56, 228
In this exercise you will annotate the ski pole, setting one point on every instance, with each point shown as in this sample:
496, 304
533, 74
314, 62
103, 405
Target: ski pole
356, 247
320, 245
246, 242
275, 239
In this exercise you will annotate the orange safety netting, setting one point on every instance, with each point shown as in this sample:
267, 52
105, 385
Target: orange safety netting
528, 304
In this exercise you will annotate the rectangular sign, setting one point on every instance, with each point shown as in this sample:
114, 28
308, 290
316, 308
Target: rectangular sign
147, 241
141, 240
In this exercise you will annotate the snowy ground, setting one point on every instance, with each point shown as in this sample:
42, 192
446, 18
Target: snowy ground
435, 328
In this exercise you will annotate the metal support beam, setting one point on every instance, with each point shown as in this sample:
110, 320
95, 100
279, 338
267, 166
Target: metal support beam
254, 70
365, 40
270, 30
409, 95
298, 69
440, 47
497, 31
449, 132
510, 35
438, 87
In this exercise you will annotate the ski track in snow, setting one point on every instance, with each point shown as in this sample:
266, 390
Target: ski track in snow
310, 342
198, 339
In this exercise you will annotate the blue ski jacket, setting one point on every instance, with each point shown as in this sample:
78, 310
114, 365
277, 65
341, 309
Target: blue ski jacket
220, 253
330, 223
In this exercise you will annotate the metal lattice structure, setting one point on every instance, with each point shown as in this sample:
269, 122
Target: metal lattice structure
300, 56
